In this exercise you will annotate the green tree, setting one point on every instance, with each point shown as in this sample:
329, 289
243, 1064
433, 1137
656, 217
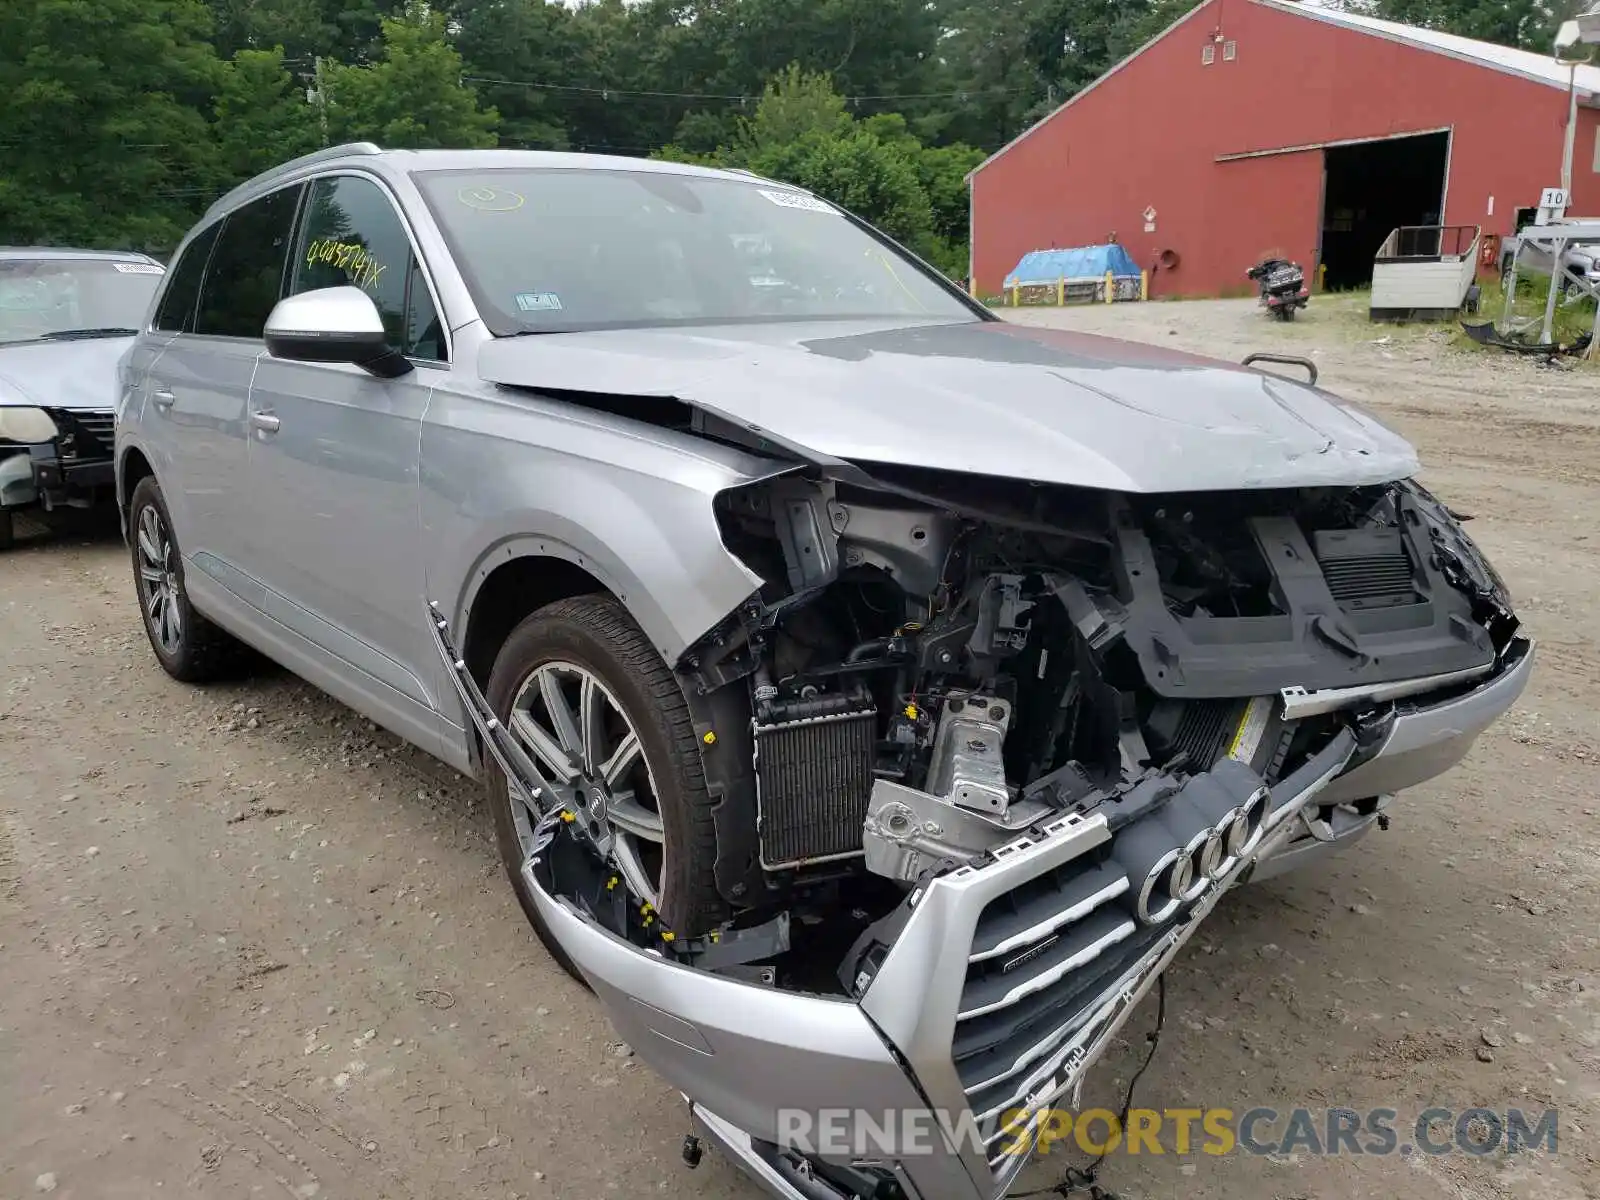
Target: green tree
303, 28
103, 123
943, 171
524, 42
989, 65
703, 132
358, 27
794, 104
868, 48
1014, 61
262, 115
622, 54
411, 96
859, 172
801, 133
1527, 24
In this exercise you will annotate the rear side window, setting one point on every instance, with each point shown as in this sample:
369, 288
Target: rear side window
352, 236
245, 278
175, 313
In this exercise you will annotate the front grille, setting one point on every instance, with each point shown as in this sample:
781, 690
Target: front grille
813, 784
1049, 955
85, 436
1366, 568
1041, 956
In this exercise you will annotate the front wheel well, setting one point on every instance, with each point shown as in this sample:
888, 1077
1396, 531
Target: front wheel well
512, 591
135, 466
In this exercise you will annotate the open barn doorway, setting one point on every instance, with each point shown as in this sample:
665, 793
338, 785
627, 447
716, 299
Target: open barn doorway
1369, 189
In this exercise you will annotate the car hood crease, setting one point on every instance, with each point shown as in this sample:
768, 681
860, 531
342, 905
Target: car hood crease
988, 398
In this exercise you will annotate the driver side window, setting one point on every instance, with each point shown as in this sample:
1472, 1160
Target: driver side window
351, 235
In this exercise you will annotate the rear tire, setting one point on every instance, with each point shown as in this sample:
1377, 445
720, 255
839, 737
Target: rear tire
594, 643
189, 648
8, 529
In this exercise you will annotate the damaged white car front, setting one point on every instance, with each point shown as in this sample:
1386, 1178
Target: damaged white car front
66, 317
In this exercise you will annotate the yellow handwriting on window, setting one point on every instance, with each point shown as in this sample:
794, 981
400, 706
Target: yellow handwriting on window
350, 257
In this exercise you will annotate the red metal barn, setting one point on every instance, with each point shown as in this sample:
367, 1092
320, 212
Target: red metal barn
1256, 126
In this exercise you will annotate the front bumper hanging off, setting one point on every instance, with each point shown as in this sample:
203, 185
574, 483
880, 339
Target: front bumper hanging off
920, 1038
746, 1056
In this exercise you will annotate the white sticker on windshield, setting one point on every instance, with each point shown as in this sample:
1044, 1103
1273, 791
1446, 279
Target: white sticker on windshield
140, 268
796, 200
538, 301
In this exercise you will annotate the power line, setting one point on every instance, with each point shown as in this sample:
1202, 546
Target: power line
610, 92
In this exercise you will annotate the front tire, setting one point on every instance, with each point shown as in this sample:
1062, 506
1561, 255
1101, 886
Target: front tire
606, 722
188, 647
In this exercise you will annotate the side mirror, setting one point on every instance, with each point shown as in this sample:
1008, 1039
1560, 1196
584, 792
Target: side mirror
333, 325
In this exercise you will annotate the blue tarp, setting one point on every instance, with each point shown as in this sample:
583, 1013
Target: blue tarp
1081, 262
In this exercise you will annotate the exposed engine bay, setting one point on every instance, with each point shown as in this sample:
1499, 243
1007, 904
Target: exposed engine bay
982, 755
932, 670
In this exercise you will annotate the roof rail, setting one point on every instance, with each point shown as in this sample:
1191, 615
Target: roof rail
294, 164
761, 178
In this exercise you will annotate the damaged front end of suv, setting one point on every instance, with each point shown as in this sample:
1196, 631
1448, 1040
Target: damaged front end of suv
985, 753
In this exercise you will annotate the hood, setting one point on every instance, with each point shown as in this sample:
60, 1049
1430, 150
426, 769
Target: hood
71, 374
985, 397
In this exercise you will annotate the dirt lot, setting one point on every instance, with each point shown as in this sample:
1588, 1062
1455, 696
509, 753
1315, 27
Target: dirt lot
250, 945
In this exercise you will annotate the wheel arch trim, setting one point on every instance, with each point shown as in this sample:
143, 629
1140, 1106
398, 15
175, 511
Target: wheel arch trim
609, 572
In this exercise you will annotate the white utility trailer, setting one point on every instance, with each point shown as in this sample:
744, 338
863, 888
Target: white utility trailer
1423, 272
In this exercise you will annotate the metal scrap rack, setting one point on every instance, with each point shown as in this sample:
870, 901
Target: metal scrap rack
1548, 243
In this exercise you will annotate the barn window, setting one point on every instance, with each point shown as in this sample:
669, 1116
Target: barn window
1208, 54
1230, 51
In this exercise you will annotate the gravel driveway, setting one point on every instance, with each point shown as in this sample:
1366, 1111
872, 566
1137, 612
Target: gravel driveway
250, 945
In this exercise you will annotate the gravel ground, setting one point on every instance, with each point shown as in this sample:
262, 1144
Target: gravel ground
251, 945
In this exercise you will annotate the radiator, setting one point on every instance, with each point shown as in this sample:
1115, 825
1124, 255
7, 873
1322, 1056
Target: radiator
813, 782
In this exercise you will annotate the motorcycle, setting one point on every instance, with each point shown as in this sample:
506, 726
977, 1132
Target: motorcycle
1283, 286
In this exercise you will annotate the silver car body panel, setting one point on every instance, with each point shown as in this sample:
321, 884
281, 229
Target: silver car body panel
742, 1052
1429, 739
1299, 703
991, 398
77, 375
508, 474
495, 457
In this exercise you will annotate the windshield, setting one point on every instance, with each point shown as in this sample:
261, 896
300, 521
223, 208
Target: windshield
551, 250
45, 297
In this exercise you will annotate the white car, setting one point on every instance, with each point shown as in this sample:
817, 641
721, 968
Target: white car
66, 316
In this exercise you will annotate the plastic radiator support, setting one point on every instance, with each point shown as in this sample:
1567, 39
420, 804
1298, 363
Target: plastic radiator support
814, 760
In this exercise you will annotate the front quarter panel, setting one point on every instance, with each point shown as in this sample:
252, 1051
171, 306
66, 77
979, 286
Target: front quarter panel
132, 369
507, 474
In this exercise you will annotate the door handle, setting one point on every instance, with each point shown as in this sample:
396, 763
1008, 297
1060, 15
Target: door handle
265, 421
163, 400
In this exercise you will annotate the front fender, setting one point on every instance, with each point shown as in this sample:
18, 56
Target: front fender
630, 505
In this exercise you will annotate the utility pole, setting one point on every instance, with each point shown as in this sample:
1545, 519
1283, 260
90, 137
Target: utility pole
1575, 43
1572, 129
322, 101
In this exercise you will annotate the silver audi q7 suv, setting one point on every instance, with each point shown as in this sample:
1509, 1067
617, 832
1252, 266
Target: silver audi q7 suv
874, 695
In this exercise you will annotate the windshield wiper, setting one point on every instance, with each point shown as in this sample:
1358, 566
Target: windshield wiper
69, 335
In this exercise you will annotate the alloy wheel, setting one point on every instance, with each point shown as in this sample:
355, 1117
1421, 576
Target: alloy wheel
159, 589
588, 751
